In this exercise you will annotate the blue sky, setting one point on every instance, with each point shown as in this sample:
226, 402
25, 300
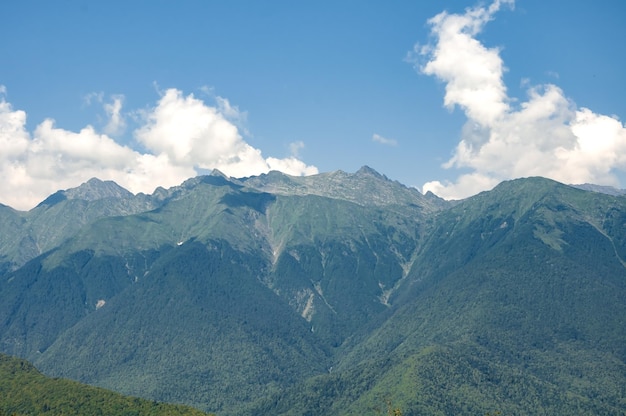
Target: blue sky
148, 93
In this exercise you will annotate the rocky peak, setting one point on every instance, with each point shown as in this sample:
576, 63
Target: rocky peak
95, 189
92, 190
367, 171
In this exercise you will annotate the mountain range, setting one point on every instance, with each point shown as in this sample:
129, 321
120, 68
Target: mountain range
330, 294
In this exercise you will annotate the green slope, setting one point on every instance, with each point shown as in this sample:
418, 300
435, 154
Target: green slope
61, 216
514, 304
199, 328
337, 262
337, 294
232, 289
25, 391
15, 246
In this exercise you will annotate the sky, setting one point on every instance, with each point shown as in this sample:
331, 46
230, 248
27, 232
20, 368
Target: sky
451, 96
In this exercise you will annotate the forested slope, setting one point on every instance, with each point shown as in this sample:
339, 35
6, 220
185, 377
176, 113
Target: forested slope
25, 391
332, 294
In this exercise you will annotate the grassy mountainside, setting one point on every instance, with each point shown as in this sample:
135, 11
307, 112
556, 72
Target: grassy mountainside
14, 247
25, 235
336, 262
199, 328
221, 296
25, 391
336, 294
515, 304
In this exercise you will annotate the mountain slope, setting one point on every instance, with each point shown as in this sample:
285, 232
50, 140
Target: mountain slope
335, 294
254, 291
199, 327
364, 187
514, 304
15, 247
61, 216
25, 391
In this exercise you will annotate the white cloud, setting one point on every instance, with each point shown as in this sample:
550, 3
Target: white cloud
14, 138
546, 135
382, 140
193, 134
471, 184
291, 166
181, 134
230, 112
116, 124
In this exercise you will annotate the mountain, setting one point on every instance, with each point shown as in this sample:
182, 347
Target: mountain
273, 283
609, 190
60, 216
332, 294
365, 187
92, 190
515, 305
25, 391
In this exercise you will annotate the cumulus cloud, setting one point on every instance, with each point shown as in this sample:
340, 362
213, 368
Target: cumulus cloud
291, 166
383, 140
192, 133
231, 112
545, 135
181, 134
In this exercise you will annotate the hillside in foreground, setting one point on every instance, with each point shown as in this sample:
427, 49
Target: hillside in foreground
25, 391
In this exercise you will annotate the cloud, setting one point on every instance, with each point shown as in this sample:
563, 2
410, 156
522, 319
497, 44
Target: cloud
382, 140
180, 133
472, 72
296, 147
291, 166
230, 112
546, 135
14, 139
193, 134
93, 96
116, 124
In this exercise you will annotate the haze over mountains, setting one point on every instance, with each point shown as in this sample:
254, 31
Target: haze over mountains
326, 294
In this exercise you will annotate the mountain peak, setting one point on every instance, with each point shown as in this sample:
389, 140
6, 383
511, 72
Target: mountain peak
217, 172
95, 189
367, 171
92, 190
364, 187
